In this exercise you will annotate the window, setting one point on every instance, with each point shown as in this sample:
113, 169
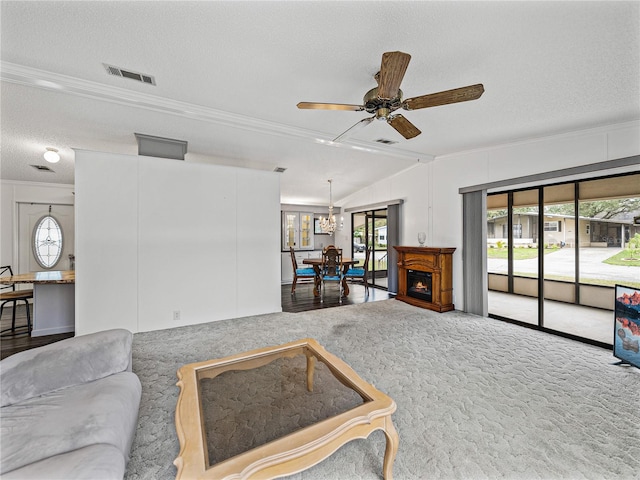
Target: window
552, 226
517, 231
47, 242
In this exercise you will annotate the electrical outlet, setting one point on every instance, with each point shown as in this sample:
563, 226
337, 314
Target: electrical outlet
176, 315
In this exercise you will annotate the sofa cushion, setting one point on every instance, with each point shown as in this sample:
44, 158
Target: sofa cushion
103, 411
95, 462
61, 364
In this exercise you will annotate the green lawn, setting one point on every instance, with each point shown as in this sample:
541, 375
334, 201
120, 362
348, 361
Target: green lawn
625, 258
518, 253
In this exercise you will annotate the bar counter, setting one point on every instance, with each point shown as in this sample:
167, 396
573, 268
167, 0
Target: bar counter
58, 276
54, 296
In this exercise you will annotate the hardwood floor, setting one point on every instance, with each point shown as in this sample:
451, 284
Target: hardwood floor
10, 344
301, 301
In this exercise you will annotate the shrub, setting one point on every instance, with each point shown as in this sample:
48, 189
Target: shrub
634, 245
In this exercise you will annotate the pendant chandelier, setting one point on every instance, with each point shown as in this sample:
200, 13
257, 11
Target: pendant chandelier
328, 224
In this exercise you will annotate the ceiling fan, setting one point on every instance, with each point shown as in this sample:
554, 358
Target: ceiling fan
386, 98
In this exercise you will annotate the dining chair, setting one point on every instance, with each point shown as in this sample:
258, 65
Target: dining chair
328, 247
331, 269
9, 294
360, 273
302, 274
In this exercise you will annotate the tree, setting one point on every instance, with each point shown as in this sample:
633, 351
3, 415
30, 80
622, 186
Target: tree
609, 208
634, 246
503, 212
605, 209
496, 213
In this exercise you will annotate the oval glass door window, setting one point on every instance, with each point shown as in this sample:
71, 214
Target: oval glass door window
47, 242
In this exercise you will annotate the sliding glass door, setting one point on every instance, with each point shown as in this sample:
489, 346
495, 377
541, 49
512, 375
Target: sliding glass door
370, 230
555, 252
524, 249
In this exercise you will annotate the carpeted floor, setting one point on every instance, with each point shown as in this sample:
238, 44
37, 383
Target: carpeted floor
477, 398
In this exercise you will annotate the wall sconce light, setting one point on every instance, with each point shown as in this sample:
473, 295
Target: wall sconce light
52, 155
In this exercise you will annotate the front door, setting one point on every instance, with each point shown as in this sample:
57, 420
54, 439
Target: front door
29, 215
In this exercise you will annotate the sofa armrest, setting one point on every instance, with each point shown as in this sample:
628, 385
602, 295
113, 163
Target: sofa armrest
65, 363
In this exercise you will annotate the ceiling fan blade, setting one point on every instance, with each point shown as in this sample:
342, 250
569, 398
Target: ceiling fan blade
330, 106
351, 130
392, 69
403, 126
462, 94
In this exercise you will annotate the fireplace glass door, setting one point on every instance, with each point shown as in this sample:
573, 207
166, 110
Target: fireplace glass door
419, 285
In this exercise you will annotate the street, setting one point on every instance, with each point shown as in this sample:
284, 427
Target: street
562, 263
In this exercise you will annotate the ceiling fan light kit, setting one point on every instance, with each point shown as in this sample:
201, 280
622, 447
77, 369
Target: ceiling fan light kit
386, 98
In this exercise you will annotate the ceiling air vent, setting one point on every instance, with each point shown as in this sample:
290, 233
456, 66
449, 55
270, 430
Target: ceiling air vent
42, 168
151, 146
385, 141
279, 169
121, 72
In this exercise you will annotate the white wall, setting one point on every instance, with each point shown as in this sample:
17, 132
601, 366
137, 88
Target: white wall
412, 186
155, 236
14, 192
430, 191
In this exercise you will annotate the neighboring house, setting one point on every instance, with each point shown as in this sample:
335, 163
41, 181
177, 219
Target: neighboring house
381, 235
560, 230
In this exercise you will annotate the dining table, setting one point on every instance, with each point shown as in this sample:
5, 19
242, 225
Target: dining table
53, 300
316, 263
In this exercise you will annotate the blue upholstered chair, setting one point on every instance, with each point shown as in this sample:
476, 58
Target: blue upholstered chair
302, 274
360, 273
331, 269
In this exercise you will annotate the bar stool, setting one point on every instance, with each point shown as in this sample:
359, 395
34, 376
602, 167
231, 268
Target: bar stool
9, 294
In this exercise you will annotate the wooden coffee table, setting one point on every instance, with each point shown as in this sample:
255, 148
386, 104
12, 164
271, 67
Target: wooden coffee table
295, 451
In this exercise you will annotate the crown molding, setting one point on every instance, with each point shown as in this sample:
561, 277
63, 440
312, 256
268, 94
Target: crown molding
29, 183
599, 129
45, 80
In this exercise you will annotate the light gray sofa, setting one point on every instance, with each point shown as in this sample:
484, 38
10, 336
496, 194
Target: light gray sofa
69, 410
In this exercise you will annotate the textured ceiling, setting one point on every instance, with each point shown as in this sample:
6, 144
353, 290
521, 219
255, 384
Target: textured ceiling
229, 76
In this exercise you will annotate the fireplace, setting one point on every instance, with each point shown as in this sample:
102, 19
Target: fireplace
419, 285
425, 277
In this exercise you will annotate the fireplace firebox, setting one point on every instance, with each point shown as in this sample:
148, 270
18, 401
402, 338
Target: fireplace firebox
425, 277
419, 285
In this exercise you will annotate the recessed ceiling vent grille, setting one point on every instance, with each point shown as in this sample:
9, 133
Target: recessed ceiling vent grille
279, 169
385, 141
42, 168
121, 72
151, 146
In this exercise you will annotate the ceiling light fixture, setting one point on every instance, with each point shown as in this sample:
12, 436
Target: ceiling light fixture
328, 224
52, 155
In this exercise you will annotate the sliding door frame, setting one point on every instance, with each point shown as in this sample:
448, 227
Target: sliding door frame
475, 273
393, 236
